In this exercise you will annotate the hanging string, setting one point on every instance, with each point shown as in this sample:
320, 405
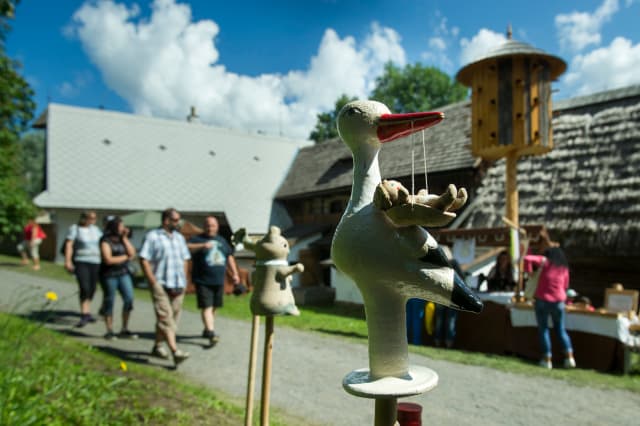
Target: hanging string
413, 166
424, 157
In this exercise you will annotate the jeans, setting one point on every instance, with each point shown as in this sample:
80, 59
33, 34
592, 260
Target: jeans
556, 311
445, 324
415, 320
124, 285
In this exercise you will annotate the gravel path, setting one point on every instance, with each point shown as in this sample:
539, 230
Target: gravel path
308, 369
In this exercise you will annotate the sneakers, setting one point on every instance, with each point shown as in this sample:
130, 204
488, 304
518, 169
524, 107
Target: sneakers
126, 334
546, 363
91, 318
160, 352
212, 336
179, 356
84, 320
569, 362
111, 336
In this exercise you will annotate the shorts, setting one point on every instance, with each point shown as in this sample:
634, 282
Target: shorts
167, 307
33, 248
209, 296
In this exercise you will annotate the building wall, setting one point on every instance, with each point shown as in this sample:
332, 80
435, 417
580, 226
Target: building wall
346, 289
591, 276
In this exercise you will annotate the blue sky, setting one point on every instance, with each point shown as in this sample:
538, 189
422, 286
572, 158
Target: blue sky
271, 66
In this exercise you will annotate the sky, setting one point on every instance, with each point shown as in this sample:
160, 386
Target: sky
272, 66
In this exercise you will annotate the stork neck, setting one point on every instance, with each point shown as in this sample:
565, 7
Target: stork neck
366, 176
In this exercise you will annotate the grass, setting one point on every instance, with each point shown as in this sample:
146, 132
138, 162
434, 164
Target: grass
48, 378
348, 321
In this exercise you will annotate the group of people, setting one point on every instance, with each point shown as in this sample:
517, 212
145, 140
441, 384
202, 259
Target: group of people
550, 297
104, 255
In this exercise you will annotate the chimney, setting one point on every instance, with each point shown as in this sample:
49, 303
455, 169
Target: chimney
193, 117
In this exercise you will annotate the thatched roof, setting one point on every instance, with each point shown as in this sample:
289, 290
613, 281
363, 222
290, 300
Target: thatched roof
586, 191
327, 166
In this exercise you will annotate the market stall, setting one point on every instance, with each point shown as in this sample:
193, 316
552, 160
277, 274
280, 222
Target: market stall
599, 338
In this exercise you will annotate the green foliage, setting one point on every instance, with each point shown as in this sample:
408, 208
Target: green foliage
16, 110
413, 88
326, 125
7, 10
32, 162
416, 88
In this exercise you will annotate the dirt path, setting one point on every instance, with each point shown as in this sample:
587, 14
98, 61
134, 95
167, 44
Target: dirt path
309, 367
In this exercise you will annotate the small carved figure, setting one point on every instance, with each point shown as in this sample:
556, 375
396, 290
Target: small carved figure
424, 209
272, 294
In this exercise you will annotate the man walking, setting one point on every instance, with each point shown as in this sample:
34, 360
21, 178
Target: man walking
164, 257
211, 254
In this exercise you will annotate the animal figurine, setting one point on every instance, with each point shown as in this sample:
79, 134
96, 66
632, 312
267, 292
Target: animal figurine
424, 209
272, 294
391, 262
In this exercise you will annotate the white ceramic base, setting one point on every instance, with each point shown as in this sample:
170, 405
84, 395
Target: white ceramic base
419, 380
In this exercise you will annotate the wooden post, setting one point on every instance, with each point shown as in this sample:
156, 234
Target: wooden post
253, 356
386, 412
511, 187
266, 371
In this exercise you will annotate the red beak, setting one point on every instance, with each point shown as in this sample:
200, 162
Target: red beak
394, 126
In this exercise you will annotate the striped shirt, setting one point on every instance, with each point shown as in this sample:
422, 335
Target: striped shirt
166, 253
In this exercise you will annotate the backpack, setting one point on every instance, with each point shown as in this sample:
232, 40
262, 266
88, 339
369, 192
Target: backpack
64, 243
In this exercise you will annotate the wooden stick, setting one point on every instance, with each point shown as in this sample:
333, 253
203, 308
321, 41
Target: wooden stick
266, 371
253, 356
386, 412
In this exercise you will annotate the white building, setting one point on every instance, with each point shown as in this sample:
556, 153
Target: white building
118, 163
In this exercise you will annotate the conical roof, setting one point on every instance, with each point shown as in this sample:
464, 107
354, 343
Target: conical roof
512, 48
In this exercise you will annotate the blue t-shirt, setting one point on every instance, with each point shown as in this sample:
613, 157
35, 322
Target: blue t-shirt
209, 265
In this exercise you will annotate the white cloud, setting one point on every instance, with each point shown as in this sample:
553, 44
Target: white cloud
70, 89
441, 38
479, 45
605, 68
577, 30
437, 43
163, 64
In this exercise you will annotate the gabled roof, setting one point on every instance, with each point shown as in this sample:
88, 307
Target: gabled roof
109, 160
586, 191
327, 166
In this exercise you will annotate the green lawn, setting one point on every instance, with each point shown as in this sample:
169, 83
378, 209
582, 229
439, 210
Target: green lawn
49, 378
347, 321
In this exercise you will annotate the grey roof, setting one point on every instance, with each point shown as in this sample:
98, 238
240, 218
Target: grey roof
108, 160
587, 190
600, 98
327, 166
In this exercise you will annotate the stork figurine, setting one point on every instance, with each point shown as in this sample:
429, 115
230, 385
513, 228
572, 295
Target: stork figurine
383, 248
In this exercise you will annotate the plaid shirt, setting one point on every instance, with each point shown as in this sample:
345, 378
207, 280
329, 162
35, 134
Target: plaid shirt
167, 254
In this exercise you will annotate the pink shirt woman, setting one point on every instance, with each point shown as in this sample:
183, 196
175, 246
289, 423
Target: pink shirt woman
554, 278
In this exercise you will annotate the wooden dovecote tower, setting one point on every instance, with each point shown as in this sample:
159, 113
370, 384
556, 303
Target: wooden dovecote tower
511, 106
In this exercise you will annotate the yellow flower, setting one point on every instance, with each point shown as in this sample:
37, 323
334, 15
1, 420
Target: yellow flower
123, 366
52, 296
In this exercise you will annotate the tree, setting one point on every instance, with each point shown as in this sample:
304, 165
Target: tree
32, 147
416, 88
16, 110
326, 125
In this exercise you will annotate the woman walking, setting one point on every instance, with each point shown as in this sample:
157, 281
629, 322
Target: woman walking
82, 257
550, 296
116, 251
